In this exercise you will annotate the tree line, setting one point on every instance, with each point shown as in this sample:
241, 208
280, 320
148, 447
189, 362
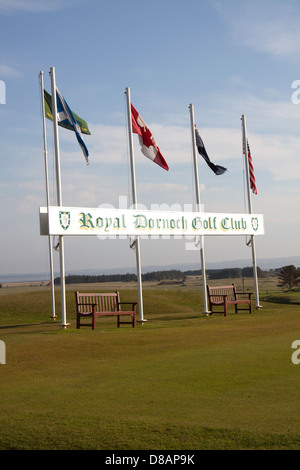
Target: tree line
172, 274
288, 276
228, 273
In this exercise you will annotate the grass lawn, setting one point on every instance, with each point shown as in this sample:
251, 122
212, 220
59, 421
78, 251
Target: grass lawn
181, 381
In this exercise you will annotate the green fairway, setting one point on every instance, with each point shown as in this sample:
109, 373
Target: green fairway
179, 381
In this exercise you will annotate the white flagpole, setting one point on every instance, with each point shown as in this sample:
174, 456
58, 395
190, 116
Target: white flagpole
59, 198
134, 200
245, 148
198, 208
47, 193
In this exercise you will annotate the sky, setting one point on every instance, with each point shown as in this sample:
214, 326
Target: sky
226, 57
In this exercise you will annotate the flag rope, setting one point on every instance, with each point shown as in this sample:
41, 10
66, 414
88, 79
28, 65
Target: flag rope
131, 240
248, 241
47, 263
192, 178
244, 193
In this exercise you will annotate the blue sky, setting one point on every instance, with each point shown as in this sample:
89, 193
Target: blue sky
227, 57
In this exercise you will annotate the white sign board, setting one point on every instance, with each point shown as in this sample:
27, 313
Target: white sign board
124, 222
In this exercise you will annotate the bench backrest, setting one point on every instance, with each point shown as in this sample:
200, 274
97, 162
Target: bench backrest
230, 291
108, 302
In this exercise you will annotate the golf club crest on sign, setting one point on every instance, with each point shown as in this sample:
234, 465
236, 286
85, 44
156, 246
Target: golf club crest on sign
64, 219
254, 223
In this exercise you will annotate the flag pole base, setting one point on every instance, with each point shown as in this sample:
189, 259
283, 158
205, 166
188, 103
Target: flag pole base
142, 321
64, 326
206, 314
258, 307
53, 317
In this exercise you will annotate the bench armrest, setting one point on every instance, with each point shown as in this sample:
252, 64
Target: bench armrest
245, 293
134, 304
129, 303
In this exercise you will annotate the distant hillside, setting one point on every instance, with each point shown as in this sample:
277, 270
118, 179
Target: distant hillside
263, 263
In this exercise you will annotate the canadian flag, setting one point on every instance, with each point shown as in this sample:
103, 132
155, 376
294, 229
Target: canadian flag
148, 145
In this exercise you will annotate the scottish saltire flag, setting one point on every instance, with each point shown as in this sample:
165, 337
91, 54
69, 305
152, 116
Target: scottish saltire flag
217, 169
48, 114
148, 145
66, 118
251, 171
65, 114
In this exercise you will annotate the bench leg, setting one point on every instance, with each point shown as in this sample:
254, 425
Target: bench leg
133, 320
78, 322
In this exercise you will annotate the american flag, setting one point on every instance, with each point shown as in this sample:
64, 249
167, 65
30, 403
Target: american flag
251, 171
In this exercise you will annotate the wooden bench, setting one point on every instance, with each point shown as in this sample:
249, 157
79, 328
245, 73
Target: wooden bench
100, 305
227, 295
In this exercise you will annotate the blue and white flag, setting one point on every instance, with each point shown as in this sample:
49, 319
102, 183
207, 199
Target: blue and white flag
65, 116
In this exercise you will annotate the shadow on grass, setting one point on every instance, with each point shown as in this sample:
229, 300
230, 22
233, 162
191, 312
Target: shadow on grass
23, 325
174, 318
280, 299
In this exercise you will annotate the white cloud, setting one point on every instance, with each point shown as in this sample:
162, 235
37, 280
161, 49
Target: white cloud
275, 153
8, 72
29, 204
270, 26
239, 81
150, 188
109, 144
11, 6
32, 185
